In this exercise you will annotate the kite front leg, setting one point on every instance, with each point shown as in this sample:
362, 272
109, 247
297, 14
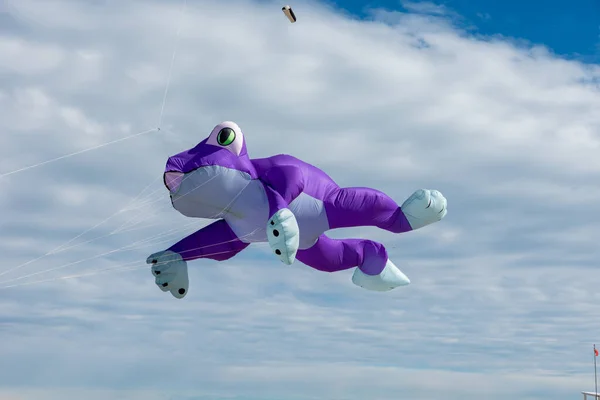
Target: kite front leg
283, 232
215, 241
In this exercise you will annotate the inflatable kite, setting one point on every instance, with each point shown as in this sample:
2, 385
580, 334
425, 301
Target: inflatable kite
283, 201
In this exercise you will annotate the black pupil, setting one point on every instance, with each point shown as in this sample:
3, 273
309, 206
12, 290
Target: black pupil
224, 135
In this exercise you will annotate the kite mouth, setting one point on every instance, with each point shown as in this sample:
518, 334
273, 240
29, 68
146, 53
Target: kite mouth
173, 180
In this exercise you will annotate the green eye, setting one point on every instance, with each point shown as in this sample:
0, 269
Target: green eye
226, 136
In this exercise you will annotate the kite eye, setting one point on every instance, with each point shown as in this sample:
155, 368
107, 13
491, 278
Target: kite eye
226, 136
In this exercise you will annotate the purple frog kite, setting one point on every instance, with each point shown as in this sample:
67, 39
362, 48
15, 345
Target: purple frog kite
283, 201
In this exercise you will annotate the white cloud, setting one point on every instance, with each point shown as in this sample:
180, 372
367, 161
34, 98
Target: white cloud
425, 7
19, 56
503, 300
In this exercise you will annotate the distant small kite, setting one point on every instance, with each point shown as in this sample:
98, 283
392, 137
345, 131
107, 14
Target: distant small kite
287, 10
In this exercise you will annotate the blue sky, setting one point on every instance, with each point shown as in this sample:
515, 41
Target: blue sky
571, 30
503, 301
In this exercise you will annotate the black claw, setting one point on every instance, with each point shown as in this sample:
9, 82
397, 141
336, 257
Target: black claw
277, 252
428, 205
272, 223
157, 272
165, 284
275, 232
154, 261
181, 291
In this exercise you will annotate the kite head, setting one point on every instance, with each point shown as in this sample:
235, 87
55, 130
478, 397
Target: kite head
224, 147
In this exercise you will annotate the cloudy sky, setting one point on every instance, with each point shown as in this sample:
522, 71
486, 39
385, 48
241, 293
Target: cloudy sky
501, 118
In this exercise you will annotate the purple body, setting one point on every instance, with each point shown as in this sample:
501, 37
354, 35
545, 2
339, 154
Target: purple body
216, 179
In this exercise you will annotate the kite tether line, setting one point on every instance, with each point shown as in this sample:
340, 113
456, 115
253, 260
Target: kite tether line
158, 128
160, 118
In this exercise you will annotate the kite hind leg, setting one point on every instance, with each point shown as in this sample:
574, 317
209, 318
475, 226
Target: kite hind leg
375, 271
358, 206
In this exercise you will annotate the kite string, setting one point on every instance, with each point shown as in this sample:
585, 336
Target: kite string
163, 104
158, 198
215, 216
125, 248
122, 267
107, 219
177, 35
100, 146
108, 235
54, 251
176, 230
155, 236
118, 140
188, 176
62, 247
96, 256
148, 239
77, 152
58, 248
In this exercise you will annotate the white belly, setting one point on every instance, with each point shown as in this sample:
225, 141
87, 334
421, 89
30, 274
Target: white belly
217, 192
309, 212
311, 217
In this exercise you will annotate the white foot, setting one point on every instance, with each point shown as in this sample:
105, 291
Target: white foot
391, 277
171, 273
424, 207
284, 235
